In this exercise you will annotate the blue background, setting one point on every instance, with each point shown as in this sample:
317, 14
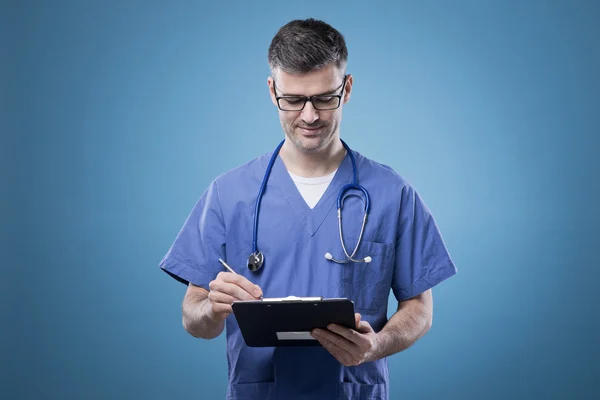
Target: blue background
117, 116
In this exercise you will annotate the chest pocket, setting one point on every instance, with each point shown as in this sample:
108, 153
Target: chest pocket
368, 284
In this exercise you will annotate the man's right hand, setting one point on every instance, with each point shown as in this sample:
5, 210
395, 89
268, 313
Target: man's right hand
226, 289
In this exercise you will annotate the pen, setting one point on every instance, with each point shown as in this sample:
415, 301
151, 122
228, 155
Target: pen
227, 266
223, 263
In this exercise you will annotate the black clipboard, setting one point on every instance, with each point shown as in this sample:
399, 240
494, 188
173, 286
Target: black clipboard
288, 321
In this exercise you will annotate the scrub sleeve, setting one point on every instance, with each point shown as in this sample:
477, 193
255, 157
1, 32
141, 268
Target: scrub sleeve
193, 256
422, 259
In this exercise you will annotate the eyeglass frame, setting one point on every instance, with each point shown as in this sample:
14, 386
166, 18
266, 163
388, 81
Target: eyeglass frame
310, 98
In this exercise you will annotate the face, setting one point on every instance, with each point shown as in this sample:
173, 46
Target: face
311, 130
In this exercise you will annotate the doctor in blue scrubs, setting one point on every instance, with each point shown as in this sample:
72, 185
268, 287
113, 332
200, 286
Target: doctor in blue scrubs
274, 220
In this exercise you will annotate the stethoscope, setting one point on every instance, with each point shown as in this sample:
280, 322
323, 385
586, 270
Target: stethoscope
256, 259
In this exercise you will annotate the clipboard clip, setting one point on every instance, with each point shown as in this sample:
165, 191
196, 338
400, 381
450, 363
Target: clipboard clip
293, 298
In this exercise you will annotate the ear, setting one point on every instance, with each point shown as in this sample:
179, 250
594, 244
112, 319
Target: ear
270, 82
348, 88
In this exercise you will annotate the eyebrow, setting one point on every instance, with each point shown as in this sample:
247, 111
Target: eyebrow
320, 94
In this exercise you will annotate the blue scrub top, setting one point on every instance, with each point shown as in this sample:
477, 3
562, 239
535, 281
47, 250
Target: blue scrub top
401, 236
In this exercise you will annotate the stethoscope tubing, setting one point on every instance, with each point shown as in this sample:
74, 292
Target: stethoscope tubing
260, 195
340, 205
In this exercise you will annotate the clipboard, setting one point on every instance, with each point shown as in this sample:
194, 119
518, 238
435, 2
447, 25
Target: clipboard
288, 321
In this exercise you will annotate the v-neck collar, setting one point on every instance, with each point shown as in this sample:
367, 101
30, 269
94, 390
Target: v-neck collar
313, 218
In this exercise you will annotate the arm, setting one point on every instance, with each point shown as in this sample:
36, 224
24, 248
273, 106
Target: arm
420, 252
412, 320
354, 347
198, 319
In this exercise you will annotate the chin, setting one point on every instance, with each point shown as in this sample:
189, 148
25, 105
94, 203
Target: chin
309, 145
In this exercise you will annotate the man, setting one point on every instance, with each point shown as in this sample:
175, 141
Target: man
298, 237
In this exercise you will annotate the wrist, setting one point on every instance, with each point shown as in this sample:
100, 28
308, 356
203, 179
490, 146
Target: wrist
378, 349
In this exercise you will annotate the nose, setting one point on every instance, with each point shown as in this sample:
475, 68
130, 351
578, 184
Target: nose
309, 114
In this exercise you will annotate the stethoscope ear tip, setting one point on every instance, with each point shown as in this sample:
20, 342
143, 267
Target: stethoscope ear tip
328, 256
368, 259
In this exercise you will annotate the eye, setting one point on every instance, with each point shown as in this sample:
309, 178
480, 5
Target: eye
293, 100
326, 99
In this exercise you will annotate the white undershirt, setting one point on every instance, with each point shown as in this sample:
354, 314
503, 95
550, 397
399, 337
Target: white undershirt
312, 189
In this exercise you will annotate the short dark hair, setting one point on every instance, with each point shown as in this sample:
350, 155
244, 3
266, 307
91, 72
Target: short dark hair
301, 46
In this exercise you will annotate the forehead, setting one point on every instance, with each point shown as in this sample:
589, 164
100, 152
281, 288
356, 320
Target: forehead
315, 82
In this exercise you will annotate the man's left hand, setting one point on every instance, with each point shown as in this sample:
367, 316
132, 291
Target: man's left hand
350, 347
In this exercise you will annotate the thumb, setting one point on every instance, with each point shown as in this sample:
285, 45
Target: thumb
364, 327
357, 319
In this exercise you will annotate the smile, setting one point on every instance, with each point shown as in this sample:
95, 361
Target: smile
310, 131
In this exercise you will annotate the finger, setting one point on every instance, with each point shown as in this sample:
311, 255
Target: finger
230, 289
357, 318
221, 309
340, 354
349, 334
241, 281
339, 340
218, 297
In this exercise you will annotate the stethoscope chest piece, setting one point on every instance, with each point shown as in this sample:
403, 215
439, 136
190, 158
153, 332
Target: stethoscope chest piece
255, 261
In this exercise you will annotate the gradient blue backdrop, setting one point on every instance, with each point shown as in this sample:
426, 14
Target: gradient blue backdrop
117, 117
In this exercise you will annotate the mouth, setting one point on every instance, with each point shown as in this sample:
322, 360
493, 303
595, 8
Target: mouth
309, 131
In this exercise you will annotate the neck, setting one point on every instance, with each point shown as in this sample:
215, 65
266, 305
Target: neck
312, 165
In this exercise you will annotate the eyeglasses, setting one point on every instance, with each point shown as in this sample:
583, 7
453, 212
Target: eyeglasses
321, 102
